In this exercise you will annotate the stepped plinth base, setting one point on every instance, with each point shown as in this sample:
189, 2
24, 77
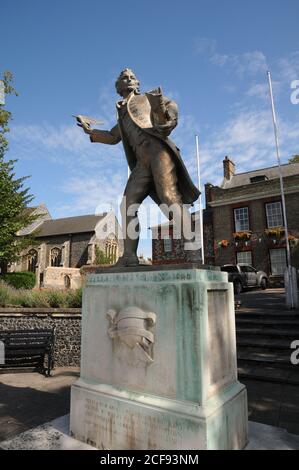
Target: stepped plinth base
158, 366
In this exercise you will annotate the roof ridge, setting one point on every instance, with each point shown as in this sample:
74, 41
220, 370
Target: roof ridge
77, 217
266, 168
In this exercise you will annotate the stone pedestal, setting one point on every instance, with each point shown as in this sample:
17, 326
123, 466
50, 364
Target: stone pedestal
158, 365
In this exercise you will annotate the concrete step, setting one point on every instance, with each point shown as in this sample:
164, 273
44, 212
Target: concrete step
268, 332
267, 373
270, 314
275, 359
271, 322
264, 343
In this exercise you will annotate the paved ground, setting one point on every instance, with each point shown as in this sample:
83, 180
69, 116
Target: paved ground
273, 404
29, 399
263, 300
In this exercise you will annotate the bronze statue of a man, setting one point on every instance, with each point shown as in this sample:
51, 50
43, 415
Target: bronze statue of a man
144, 124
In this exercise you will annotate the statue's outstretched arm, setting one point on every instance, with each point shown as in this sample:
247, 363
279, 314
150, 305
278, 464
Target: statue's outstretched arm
111, 137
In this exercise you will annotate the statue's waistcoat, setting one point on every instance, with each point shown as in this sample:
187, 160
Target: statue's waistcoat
139, 110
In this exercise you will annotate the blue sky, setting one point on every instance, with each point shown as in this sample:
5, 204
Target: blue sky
210, 56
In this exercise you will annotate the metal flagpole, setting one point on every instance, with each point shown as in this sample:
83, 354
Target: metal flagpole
282, 191
199, 201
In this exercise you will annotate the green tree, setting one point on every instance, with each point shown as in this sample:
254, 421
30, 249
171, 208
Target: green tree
14, 199
294, 159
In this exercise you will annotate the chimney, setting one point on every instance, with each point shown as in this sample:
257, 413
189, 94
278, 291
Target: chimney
228, 168
208, 192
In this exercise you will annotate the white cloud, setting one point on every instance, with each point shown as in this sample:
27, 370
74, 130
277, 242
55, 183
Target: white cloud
251, 62
258, 90
288, 67
248, 139
67, 144
220, 59
92, 193
64, 145
67, 137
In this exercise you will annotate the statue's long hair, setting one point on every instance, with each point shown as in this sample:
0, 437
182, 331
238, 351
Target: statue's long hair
117, 83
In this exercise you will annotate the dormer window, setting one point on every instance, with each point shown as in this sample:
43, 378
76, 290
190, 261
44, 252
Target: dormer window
258, 178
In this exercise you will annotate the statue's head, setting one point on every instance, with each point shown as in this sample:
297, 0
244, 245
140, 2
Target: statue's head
126, 83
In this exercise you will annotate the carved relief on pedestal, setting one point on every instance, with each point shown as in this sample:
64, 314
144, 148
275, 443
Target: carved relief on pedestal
131, 326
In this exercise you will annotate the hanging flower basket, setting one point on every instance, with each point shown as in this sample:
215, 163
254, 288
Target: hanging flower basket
293, 240
275, 232
242, 236
223, 243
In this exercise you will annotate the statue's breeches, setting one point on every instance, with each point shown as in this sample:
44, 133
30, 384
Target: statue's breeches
155, 169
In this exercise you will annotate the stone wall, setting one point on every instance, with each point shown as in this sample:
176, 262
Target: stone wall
56, 278
79, 249
67, 323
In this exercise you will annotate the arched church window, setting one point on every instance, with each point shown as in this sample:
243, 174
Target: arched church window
67, 281
32, 260
55, 257
111, 249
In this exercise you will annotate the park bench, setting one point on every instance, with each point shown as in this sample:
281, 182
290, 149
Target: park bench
32, 348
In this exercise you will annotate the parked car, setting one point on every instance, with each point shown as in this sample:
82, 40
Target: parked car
244, 276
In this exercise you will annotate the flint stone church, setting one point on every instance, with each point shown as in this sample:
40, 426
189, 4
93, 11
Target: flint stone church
63, 246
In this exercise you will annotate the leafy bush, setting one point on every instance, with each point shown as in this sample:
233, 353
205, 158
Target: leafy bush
101, 258
22, 280
31, 299
56, 298
9, 296
5, 294
74, 298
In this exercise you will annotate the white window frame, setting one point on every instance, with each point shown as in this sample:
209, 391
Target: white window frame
167, 244
241, 222
278, 266
272, 212
246, 259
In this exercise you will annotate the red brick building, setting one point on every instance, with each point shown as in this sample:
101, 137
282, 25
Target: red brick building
243, 221
247, 221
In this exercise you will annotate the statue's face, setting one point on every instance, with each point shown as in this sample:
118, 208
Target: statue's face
127, 82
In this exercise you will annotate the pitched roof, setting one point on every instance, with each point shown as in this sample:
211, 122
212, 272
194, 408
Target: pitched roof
79, 224
241, 179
